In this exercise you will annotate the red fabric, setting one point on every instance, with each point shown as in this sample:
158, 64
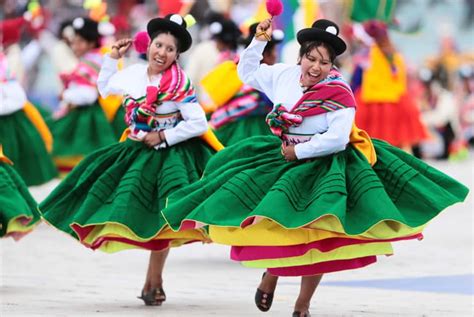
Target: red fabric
166, 7
152, 245
252, 253
397, 123
120, 23
10, 30
324, 267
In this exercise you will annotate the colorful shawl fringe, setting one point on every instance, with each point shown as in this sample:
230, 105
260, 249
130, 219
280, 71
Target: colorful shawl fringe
175, 85
331, 94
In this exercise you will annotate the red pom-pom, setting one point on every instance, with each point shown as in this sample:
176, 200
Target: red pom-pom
274, 7
141, 42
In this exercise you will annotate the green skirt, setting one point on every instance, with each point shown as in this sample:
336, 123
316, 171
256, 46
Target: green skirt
18, 210
242, 129
23, 144
118, 123
46, 113
80, 132
113, 199
314, 216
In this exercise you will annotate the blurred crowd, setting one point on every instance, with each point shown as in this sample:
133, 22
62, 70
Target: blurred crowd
37, 40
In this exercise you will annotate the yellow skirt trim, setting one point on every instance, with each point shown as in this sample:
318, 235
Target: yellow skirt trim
67, 161
35, 117
117, 230
315, 256
269, 233
14, 225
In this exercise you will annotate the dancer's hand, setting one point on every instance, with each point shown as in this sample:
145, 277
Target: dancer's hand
288, 152
152, 138
120, 48
264, 30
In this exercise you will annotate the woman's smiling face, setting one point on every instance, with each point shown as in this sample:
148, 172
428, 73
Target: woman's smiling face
315, 66
163, 51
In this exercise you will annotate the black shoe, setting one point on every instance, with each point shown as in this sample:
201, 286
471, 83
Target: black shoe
260, 296
154, 297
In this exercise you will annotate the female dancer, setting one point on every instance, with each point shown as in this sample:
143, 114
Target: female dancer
323, 197
244, 114
81, 126
112, 200
23, 133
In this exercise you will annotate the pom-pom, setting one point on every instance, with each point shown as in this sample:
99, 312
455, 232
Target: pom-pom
274, 7
106, 29
190, 20
141, 42
176, 18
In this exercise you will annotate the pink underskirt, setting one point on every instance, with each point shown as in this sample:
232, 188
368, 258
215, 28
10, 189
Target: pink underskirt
324, 267
252, 253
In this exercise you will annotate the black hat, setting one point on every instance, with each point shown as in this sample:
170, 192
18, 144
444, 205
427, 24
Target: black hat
225, 30
277, 35
324, 31
213, 16
87, 29
176, 25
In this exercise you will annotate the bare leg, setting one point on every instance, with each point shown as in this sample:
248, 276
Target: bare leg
308, 286
268, 283
154, 275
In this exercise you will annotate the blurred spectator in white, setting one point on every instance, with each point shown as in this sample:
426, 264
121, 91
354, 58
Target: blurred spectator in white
440, 114
58, 47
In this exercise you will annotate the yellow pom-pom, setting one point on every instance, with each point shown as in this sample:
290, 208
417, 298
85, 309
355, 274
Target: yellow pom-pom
33, 6
89, 4
190, 20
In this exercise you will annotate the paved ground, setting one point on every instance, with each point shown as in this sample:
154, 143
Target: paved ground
49, 274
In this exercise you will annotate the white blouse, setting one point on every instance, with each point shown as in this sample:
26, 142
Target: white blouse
12, 97
133, 81
321, 134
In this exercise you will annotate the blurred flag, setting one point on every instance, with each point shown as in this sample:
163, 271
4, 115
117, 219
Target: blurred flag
363, 10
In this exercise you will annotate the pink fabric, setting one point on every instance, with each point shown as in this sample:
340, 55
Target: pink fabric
86, 72
324, 267
251, 253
